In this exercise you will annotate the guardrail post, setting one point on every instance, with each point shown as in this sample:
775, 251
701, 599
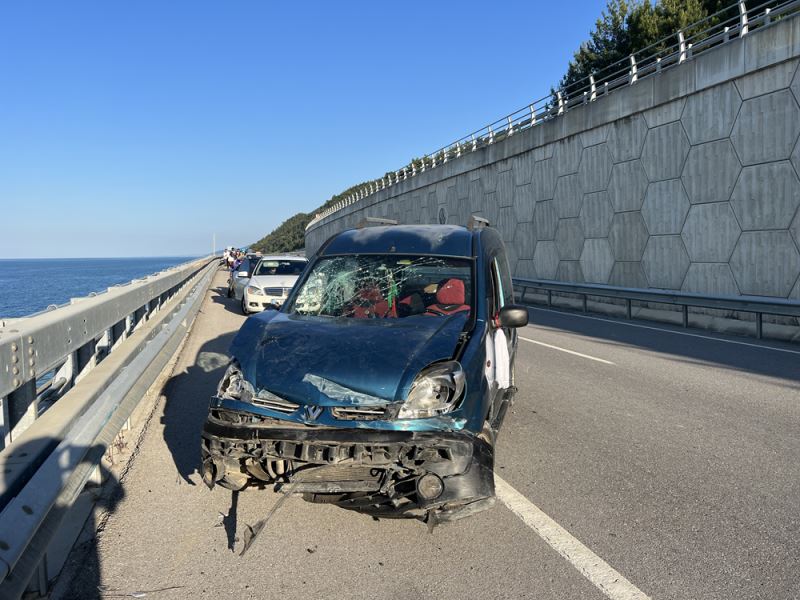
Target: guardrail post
744, 28
685, 308
549, 298
592, 88
560, 102
767, 16
474, 143
491, 135
726, 36
533, 115
628, 311
759, 325
681, 47
689, 51
510, 127
633, 74
658, 64
585, 302
458, 149
22, 407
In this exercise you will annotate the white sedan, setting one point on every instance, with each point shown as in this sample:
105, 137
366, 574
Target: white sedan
271, 281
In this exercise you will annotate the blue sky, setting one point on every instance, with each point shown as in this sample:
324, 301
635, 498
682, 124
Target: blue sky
142, 128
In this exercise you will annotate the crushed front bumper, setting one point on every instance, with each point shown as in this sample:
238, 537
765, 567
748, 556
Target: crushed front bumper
375, 471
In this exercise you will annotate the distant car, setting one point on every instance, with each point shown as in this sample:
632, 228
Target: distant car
271, 281
240, 277
382, 382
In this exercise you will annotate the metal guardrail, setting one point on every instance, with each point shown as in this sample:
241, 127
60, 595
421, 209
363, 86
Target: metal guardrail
43, 355
52, 460
714, 30
751, 304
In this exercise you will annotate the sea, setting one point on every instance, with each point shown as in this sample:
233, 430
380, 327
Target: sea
30, 285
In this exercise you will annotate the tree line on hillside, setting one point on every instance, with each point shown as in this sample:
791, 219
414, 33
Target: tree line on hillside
624, 28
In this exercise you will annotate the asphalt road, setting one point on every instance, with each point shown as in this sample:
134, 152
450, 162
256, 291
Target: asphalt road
672, 458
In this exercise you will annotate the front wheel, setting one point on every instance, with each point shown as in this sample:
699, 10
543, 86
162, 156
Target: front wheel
244, 307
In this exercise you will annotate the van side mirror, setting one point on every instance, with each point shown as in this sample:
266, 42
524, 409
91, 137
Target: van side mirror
513, 315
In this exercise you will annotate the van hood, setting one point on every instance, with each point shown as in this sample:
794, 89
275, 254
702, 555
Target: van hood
341, 362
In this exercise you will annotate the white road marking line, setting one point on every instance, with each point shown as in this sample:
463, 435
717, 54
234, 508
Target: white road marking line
560, 349
608, 580
697, 335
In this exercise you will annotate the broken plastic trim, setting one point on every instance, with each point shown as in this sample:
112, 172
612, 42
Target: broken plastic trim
341, 393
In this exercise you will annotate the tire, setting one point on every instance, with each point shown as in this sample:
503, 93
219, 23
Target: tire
230, 292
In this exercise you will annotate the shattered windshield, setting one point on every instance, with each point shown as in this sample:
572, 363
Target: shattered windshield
386, 287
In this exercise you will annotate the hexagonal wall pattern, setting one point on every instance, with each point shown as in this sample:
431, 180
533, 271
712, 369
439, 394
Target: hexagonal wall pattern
567, 155
595, 168
795, 228
665, 207
765, 263
545, 220
569, 270
596, 260
710, 114
766, 196
628, 274
568, 196
766, 128
628, 236
665, 149
710, 232
523, 203
522, 165
710, 172
545, 258
710, 278
505, 224
569, 239
544, 180
627, 186
665, 261
524, 240
626, 138
596, 214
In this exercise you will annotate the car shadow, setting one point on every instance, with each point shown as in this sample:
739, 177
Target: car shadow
186, 399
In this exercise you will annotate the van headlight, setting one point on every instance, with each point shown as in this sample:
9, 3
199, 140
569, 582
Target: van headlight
234, 386
436, 390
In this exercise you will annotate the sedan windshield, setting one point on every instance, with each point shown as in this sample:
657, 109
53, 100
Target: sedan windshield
382, 287
280, 267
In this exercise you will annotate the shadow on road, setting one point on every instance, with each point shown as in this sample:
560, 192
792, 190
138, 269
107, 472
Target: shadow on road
83, 560
187, 395
749, 355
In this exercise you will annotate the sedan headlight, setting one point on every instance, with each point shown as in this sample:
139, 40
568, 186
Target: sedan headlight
436, 390
251, 289
234, 386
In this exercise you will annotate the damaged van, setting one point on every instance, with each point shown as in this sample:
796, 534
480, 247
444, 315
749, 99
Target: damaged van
382, 382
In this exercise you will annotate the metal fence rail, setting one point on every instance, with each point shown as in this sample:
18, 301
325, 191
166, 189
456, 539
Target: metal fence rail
683, 45
757, 305
47, 466
43, 355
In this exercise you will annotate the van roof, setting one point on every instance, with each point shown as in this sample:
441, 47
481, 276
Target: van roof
445, 240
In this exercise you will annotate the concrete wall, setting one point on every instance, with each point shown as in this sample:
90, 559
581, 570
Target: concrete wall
687, 180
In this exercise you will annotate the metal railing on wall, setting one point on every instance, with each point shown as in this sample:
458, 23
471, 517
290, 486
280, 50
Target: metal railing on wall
712, 31
758, 306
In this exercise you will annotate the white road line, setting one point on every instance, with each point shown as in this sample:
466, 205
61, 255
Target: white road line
608, 580
672, 331
560, 349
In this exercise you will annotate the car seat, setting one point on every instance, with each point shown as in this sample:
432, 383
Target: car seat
450, 299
